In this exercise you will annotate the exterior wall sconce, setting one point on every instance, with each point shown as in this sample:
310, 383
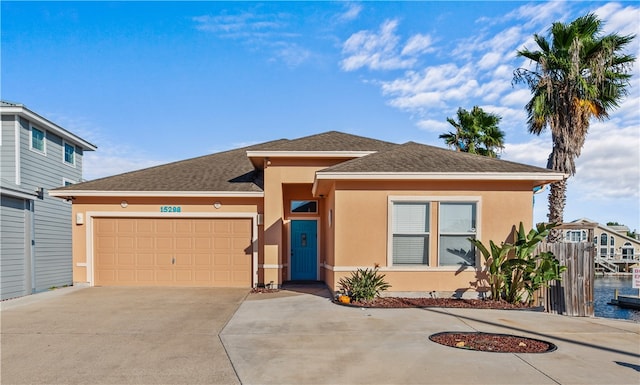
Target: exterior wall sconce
124, 204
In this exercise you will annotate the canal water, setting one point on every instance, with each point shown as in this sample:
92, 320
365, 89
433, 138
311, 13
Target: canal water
603, 291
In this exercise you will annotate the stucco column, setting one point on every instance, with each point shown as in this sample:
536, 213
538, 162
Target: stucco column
272, 226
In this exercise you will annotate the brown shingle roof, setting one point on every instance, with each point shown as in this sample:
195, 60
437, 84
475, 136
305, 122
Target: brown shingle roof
420, 158
329, 141
224, 171
232, 171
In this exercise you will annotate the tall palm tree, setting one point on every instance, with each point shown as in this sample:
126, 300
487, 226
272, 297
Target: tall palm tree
579, 74
477, 132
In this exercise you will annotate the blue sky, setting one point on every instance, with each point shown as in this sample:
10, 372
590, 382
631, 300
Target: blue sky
154, 82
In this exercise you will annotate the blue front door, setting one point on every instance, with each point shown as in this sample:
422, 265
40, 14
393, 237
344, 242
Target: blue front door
304, 250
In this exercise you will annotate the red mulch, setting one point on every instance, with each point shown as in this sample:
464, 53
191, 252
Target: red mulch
489, 342
400, 302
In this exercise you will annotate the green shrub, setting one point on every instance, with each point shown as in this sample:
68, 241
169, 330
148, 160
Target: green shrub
364, 285
513, 270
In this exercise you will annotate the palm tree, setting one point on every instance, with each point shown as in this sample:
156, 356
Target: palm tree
476, 132
579, 74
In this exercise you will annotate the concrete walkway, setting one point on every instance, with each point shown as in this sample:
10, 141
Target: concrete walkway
299, 337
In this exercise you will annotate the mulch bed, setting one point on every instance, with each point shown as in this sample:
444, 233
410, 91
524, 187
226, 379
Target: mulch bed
400, 302
491, 342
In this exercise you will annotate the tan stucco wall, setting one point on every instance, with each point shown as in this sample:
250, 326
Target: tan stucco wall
111, 206
361, 227
286, 179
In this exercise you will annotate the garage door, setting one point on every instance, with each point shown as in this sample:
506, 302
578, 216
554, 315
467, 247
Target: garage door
172, 252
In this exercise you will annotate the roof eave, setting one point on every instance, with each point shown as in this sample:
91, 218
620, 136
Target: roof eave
20, 110
540, 177
147, 194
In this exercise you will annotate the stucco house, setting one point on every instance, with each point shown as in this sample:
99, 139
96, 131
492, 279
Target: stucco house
313, 208
615, 250
35, 229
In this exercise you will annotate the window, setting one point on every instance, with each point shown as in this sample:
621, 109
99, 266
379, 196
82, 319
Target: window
577, 236
418, 238
304, 206
603, 240
66, 182
627, 251
69, 153
603, 252
612, 241
37, 140
410, 227
457, 223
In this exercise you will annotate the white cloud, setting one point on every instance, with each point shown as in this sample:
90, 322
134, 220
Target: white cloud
113, 159
538, 14
534, 152
489, 60
517, 98
623, 21
351, 13
418, 44
375, 50
436, 126
260, 32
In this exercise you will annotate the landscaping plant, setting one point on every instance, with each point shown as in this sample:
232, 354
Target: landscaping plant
514, 270
363, 285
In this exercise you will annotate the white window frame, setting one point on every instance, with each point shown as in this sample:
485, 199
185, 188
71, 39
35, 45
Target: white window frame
434, 233
426, 234
64, 152
441, 233
44, 139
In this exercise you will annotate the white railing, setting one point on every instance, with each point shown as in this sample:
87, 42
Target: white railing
606, 265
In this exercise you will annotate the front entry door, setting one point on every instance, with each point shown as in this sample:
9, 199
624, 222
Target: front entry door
304, 250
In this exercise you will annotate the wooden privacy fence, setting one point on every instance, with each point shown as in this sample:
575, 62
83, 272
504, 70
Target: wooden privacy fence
573, 295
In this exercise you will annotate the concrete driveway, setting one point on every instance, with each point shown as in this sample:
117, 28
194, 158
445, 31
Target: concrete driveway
110, 335
298, 336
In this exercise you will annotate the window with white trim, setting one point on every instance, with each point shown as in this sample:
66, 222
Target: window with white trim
457, 224
576, 236
603, 240
38, 142
410, 227
627, 251
420, 239
69, 156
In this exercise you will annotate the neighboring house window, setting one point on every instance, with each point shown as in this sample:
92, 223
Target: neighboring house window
457, 224
69, 154
603, 240
67, 182
627, 251
603, 252
38, 140
576, 236
612, 241
410, 227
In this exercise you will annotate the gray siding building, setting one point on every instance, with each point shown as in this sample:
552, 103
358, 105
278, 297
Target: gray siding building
35, 229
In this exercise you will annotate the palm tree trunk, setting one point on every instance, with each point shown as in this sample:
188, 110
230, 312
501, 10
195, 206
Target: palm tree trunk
557, 201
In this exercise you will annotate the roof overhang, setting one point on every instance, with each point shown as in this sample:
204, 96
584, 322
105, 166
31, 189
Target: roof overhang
149, 194
537, 178
24, 112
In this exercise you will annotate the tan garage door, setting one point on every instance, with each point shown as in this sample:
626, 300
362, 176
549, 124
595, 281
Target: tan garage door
172, 252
